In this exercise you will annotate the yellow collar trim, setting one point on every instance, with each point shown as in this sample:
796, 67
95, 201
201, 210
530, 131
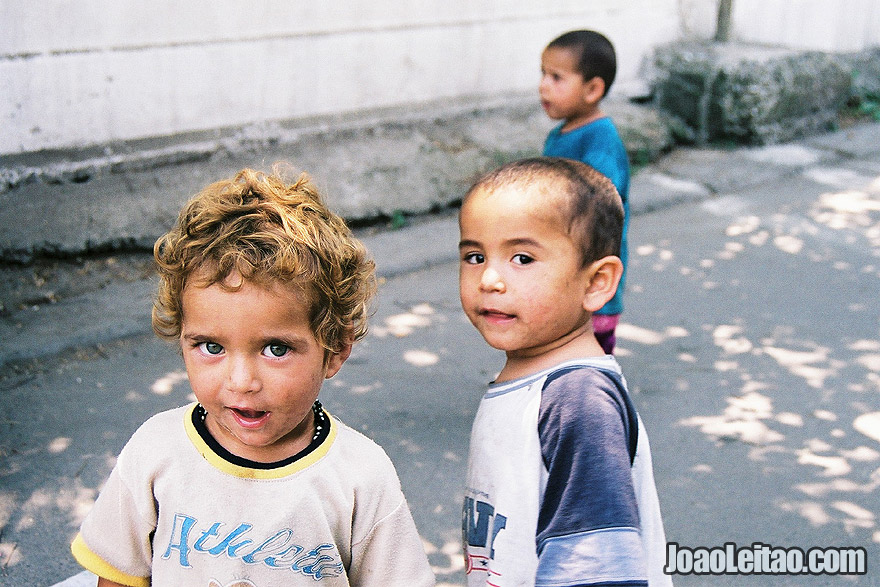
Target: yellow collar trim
246, 472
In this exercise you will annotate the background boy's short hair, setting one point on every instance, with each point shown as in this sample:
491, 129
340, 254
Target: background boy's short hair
594, 52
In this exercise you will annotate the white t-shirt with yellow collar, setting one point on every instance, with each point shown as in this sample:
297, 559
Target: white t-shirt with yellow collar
174, 512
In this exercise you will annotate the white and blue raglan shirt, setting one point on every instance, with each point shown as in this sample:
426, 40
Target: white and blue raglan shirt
560, 488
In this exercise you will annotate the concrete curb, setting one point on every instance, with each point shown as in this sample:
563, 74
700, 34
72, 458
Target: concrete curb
122, 309
370, 168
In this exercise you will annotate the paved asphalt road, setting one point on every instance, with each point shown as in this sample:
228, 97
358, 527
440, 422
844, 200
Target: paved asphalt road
751, 342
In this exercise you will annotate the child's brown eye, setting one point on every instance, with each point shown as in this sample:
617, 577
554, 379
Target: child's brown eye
522, 259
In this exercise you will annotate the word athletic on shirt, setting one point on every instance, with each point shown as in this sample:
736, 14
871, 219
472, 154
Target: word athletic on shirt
277, 551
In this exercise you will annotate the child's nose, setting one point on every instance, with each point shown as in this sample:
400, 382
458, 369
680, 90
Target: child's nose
242, 377
491, 280
544, 82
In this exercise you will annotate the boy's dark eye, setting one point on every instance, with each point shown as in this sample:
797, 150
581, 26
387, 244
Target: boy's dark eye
276, 350
522, 259
473, 258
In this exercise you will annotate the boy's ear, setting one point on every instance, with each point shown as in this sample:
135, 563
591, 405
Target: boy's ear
336, 360
594, 90
603, 275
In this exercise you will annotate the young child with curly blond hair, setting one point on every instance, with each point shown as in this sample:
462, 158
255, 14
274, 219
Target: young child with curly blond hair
266, 291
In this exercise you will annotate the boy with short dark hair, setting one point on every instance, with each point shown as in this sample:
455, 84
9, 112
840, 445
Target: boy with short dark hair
560, 487
265, 290
577, 70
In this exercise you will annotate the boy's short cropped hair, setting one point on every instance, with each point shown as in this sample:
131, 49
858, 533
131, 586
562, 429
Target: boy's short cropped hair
594, 213
594, 52
264, 230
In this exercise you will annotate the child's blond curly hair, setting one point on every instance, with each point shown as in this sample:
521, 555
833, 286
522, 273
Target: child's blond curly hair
259, 228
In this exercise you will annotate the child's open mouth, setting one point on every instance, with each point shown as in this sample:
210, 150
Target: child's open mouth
249, 418
496, 316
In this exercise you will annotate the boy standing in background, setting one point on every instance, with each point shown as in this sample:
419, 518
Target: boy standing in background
577, 70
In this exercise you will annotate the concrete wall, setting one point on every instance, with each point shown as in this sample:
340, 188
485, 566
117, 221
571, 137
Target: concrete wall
824, 25
820, 25
96, 71
92, 71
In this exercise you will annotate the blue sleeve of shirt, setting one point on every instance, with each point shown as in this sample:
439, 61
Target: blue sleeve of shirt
588, 524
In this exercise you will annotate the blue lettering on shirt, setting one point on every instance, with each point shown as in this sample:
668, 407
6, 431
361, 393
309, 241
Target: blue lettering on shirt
476, 518
278, 551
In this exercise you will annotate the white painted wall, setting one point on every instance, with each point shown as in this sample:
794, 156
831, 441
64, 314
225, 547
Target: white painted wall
820, 25
94, 71
824, 25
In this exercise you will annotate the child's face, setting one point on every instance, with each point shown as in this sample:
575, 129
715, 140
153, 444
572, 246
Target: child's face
521, 280
563, 89
255, 365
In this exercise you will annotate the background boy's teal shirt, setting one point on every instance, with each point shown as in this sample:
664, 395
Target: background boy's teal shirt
599, 145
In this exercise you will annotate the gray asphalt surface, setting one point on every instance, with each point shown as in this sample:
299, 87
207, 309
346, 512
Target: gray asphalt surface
750, 340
